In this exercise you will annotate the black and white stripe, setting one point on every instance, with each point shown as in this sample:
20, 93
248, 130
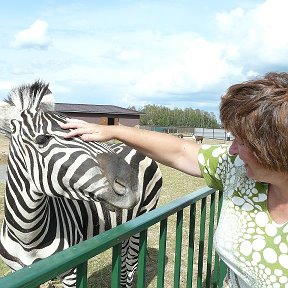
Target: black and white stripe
60, 192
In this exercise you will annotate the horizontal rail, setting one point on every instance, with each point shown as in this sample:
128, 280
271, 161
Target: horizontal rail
49, 268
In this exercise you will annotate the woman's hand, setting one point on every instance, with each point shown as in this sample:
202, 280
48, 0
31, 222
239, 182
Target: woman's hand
88, 131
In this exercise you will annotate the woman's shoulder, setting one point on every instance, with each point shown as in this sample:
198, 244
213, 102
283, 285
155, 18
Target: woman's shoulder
219, 151
215, 163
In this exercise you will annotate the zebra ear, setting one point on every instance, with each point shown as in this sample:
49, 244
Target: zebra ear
7, 113
39, 96
23, 97
47, 103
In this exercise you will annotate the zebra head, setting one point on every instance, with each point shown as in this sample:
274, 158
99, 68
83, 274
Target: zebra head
45, 163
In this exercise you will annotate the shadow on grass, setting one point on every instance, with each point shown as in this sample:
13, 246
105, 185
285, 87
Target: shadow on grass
102, 278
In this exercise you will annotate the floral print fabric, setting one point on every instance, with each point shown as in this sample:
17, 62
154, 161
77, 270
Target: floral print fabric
254, 247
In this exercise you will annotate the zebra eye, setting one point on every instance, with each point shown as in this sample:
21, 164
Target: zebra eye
42, 139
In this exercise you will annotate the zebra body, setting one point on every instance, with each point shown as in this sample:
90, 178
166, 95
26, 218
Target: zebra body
60, 192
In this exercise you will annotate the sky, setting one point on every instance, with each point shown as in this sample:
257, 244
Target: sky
182, 53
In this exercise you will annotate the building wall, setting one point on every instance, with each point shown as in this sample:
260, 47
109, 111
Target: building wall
129, 121
105, 119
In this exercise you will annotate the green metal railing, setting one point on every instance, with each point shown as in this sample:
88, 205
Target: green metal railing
202, 269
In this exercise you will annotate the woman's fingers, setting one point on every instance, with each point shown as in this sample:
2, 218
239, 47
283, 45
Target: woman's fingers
73, 120
72, 125
87, 131
78, 132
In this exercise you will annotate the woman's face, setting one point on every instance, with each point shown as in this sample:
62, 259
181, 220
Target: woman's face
253, 169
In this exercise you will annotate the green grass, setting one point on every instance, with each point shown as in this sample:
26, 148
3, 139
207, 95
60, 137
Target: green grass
175, 185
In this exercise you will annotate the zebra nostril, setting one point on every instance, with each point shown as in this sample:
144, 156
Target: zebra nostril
119, 186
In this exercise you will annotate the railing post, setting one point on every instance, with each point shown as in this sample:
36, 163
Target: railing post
141, 279
201, 243
116, 266
222, 273
210, 239
81, 279
178, 247
162, 253
217, 282
190, 265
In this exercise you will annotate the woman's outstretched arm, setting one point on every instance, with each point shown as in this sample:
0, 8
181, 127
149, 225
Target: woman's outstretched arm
167, 149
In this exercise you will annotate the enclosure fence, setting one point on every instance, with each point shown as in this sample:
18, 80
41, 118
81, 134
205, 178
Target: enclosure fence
209, 133
202, 268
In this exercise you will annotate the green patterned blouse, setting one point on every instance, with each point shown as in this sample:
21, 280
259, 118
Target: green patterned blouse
254, 247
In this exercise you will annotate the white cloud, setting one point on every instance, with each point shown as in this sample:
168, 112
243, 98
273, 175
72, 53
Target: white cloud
34, 37
252, 74
260, 34
172, 60
21, 71
58, 88
227, 21
271, 24
129, 55
248, 42
200, 66
6, 85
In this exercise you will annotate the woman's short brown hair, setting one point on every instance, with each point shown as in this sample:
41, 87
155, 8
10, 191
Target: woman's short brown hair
256, 112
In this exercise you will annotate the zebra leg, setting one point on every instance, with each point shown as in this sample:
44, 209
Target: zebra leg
49, 284
129, 258
68, 279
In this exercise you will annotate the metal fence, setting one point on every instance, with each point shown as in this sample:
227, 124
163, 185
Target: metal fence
202, 269
210, 133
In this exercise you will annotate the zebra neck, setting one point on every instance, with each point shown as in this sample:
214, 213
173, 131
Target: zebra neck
23, 201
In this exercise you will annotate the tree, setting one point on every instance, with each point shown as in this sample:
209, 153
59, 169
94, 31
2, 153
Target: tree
162, 116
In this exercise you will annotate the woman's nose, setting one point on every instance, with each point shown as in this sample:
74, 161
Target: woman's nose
233, 149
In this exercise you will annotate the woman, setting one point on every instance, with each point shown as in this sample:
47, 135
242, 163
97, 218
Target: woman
252, 235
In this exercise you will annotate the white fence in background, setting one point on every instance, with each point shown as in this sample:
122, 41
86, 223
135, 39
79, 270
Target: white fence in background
210, 133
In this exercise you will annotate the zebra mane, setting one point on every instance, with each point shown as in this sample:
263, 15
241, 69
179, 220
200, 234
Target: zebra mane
34, 97
28, 96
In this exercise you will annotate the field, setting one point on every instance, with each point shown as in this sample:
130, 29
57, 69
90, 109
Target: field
175, 185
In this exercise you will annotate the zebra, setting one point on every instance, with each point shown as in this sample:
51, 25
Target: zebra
60, 192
